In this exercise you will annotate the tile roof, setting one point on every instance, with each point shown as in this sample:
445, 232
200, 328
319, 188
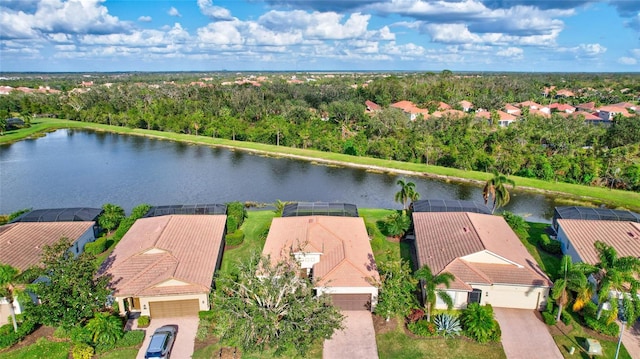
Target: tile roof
173, 254
21, 243
346, 256
622, 235
446, 241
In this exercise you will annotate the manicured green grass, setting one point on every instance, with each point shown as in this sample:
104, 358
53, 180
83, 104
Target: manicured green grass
383, 249
598, 195
43, 348
126, 353
213, 351
397, 345
255, 228
576, 336
549, 263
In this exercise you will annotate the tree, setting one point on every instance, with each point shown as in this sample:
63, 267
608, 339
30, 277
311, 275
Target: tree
8, 279
430, 282
612, 273
105, 329
276, 309
397, 287
407, 192
72, 290
478, 322
496, 187
560, 292
111, 216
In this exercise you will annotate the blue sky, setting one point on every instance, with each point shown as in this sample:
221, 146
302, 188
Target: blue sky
319, 35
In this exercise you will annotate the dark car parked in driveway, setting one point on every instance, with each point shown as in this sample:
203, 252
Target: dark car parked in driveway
162, 342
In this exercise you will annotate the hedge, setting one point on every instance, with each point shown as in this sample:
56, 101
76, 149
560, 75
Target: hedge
96, 247
9, 337
235, 238
550, 245
130, 338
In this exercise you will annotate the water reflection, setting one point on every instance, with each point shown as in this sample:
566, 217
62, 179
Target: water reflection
83, 168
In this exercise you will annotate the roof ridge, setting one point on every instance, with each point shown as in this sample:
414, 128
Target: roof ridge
475, 270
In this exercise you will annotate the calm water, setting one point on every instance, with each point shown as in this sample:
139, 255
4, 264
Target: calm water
76, 168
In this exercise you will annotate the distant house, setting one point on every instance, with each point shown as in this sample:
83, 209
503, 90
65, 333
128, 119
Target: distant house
372, 107
562, 107
164, 265
466, 105
448, 205
442, 106
608, 113
334, 251
410, 109
487, 259
587, 107
21, 245
590, 213
565, 93
590, 118
512, 110
449, 113
504, 119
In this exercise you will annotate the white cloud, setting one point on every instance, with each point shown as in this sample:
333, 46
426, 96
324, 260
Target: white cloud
144, 19
174, 12
214, 12
627, 60
220, 33
513, 52
591, 49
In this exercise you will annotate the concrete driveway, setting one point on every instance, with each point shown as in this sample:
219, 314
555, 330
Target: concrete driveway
357, 339
524, 335
183, 346
631, 340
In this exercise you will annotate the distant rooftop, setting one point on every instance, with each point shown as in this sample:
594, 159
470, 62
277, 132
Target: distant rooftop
320, 209
601, 214
445, 205
186, 209
60, 215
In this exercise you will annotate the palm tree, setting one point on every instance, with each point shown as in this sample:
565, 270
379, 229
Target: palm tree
611, 273
582, 288
496, 187
430, 283
105, 328
8, 278
407, 192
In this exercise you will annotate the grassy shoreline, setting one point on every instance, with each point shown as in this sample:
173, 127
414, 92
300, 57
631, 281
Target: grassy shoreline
595, 195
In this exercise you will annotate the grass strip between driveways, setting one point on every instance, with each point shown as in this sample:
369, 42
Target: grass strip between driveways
43, 348
596, 195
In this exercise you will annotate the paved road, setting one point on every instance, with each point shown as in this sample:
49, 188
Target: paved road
183, 347
357, 340
525, 336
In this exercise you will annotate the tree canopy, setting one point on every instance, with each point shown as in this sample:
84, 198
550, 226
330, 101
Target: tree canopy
268, 306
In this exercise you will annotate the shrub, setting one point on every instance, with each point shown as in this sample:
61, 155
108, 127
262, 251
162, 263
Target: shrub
96, 247
144, 321
130, 338
422, 328
236, 213
9, 337
478, 322
565, 317
549, 318
82, 351
80, 335
447, 325
235, 238
517, 223
396, 224
497, 332
550, 245
61, 333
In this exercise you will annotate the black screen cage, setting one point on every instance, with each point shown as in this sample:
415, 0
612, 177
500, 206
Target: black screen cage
299, 209
448, 205
77, 214
186, 209
596, 214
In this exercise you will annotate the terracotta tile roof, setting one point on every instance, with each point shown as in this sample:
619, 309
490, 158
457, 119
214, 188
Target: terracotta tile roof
443, 106
615, 109
530, 104
346, 256
539, 113
410, 107
21, 243
621, 235
180, 251
587, 116
372, 106
588, 106
465, 104
449, 113
444, 239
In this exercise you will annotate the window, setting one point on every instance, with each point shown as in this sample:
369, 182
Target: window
474, 296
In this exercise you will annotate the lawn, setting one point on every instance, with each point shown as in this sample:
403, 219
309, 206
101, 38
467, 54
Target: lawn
124, 353
397, 344
586, 193
575, 335
213, 351
255, 228
549, 263
42, 348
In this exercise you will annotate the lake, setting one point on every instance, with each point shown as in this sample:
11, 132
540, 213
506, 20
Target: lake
80, 168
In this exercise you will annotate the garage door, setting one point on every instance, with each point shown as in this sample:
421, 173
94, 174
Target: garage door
352, 301
174, 308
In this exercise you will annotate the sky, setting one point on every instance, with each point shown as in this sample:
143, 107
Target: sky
319, 35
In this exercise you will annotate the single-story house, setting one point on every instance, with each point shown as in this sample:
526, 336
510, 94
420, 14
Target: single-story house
487, 259
164, 265
591, 213
74, 214
578, 238
336, 253
21, 245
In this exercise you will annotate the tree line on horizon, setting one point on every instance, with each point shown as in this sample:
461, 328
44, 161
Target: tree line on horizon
328, 114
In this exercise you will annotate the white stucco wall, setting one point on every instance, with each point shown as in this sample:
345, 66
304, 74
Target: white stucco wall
459, 300
502, 296
567, 247
203, 300
78, 246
